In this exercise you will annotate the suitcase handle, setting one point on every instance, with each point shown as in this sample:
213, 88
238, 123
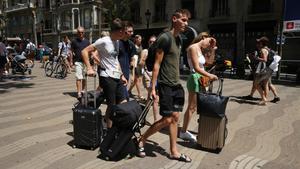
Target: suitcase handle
137, 126
220, 87
85, 102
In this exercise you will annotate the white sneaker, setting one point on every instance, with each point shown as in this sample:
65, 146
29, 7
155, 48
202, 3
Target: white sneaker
187, 136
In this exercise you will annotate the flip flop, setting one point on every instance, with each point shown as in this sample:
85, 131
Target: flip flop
182, 158
141, 152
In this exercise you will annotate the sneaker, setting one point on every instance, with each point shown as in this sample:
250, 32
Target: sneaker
79, 95
187, 136
276, 99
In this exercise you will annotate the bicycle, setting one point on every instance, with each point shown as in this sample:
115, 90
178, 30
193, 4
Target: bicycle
56, 65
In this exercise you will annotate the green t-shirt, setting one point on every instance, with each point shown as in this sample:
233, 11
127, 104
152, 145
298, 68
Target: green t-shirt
169, 68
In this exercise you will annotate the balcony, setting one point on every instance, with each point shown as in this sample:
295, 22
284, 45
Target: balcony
68, 2
19, 7
260, 9
219, 13
90, 1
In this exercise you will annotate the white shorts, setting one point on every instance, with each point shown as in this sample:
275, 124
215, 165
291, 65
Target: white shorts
80, 70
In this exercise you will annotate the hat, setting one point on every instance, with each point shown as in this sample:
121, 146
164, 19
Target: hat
264, 40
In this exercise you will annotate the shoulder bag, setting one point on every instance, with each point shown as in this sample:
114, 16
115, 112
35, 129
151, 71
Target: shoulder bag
212, 104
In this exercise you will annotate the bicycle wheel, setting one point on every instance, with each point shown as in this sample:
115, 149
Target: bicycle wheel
61, 71
49, 68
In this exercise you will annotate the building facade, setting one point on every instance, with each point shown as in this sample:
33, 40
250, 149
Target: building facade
236, 24
49, 20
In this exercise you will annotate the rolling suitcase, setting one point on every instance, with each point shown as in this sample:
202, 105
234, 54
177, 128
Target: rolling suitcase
212, 129
120, 140
87, 123
211, 133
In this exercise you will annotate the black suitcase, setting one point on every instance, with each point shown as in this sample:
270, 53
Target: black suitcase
99, 95
120, 141
87, 124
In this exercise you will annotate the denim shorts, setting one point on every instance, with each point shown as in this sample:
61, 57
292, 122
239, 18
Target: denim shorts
171, 99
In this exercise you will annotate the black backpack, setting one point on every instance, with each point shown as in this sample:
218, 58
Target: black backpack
271, 55
152, 50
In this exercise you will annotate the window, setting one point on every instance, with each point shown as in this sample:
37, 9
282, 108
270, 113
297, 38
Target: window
160, 11
219, 8
261, 6
86, 18
189, 5
66, 20
135, 12
47, 4
75, 18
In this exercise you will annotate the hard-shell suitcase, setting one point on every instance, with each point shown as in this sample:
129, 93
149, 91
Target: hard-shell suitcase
211, 133
119, 141
212, 129
87, 124
99, 95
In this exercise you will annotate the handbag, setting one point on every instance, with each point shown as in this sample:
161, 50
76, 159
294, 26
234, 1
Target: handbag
212, 104
204, 81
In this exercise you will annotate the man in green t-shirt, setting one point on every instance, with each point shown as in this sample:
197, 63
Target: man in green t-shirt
170, 91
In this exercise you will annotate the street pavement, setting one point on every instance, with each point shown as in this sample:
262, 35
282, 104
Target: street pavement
35, 132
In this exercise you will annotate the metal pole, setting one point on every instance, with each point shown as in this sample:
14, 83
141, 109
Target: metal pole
280, 42
34, 28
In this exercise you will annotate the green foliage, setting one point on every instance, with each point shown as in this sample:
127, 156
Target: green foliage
116, 9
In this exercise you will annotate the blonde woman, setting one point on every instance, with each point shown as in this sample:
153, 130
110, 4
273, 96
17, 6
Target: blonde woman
202, 46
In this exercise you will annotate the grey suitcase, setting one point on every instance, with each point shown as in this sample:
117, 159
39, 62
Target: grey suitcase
212, 121
211, 133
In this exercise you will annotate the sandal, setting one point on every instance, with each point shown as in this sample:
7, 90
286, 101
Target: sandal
182, 158
141, 152
262, 103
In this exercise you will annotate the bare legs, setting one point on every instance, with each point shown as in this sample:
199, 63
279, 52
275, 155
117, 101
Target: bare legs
163, 122
192, 106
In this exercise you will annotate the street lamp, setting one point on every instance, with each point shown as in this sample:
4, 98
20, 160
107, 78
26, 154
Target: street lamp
148, 15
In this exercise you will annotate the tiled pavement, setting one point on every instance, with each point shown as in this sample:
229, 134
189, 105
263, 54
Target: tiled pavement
35, 130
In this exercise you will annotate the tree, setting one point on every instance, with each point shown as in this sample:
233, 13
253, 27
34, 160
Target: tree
116, 9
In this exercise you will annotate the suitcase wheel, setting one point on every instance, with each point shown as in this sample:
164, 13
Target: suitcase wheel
74, 146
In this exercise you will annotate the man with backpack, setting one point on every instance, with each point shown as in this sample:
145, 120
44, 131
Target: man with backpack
170, 91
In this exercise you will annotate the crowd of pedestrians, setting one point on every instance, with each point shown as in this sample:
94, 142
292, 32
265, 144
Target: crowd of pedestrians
121, 67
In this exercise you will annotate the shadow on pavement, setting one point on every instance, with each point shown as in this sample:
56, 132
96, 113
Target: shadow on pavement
72, 94
151, 147
196, 146
15, 82
244, 100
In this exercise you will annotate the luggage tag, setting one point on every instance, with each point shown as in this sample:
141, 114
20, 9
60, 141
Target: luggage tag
116, 74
